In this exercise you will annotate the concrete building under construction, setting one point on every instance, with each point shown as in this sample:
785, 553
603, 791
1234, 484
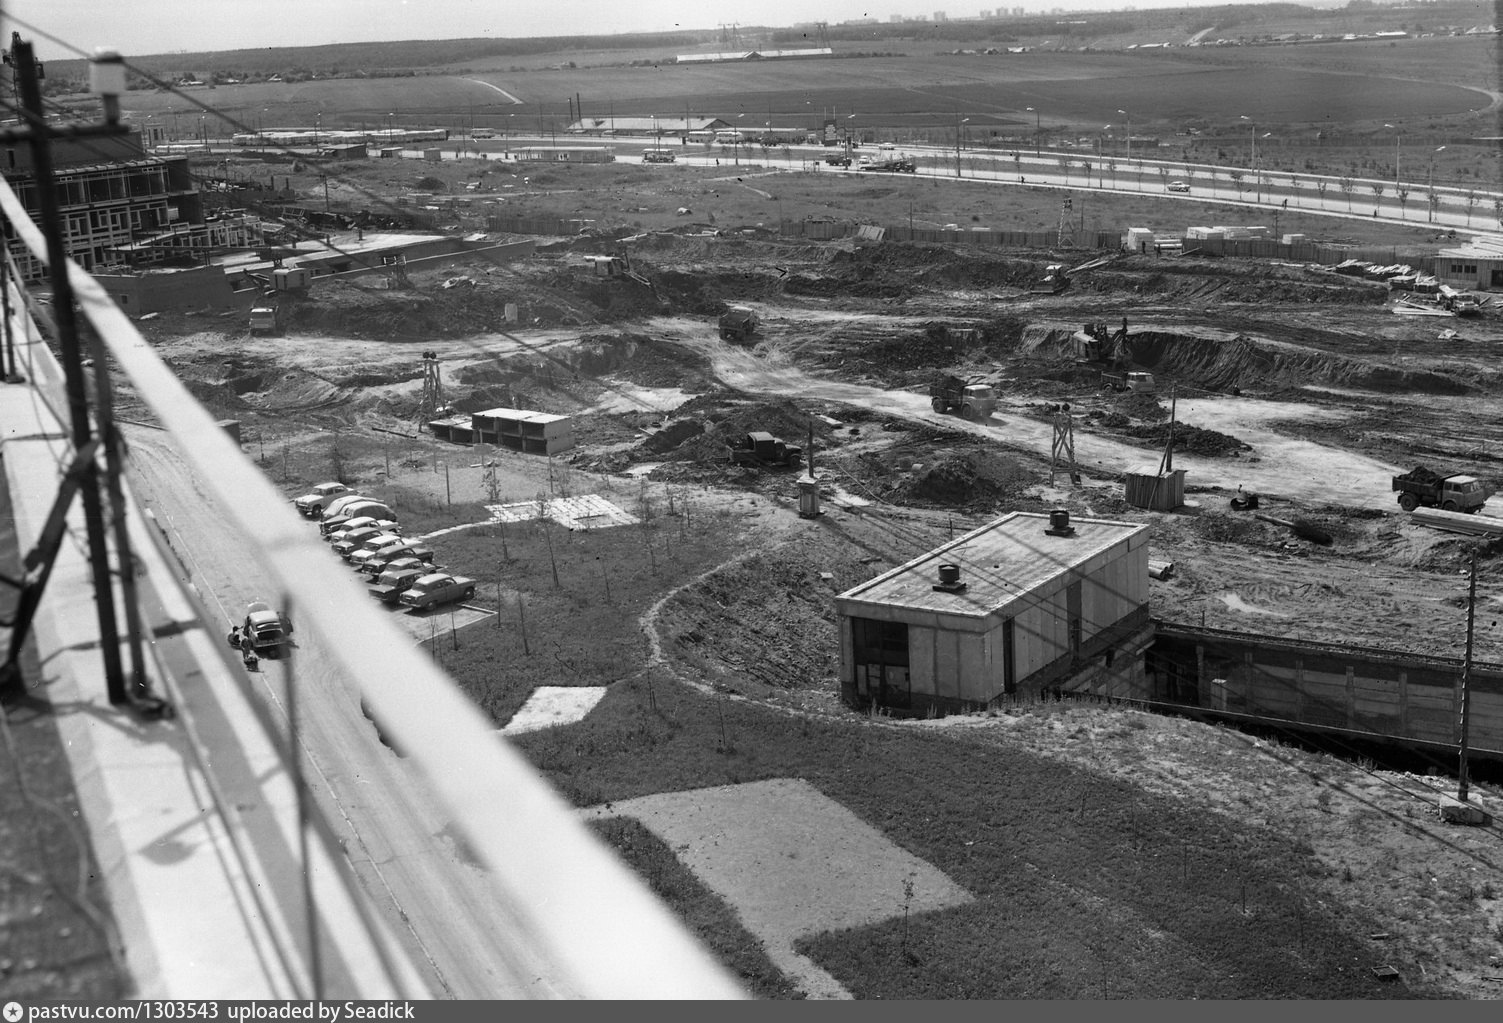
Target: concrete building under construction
117, 203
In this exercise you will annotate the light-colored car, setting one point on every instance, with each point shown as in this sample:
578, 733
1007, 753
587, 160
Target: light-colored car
355, 539
1179, 186
313, 502
269, 630
438, 588
373, 543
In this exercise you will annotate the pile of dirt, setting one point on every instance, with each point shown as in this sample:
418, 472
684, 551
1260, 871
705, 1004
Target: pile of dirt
975, 481
1142, 405
726, 418
1191, 439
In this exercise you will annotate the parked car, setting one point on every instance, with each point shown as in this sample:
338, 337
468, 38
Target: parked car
354, 510
372, 543
1179, 186
437, 588
311, 504
393, 582
354, 539
269, 630
376, 561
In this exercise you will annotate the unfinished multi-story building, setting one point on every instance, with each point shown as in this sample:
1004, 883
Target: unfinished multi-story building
118, 204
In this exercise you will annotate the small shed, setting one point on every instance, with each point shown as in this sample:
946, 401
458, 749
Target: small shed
1026, 604
1147, 487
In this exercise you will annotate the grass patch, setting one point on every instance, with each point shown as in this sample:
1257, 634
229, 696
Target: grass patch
1086, 887
711, 920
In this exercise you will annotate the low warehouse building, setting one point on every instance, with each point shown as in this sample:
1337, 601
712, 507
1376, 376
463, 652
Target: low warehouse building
1027, 604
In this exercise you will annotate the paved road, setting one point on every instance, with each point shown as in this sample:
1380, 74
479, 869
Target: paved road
403, 849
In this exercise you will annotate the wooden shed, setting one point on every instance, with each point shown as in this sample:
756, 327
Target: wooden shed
1024, 604
1146, 487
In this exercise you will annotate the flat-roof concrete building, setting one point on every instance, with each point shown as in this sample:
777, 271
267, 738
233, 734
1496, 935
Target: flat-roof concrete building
1026, 604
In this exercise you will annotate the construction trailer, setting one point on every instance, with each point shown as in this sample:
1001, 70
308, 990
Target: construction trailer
1027, 604
532, 433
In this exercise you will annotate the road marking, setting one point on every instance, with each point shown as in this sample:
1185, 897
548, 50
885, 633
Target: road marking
502, 91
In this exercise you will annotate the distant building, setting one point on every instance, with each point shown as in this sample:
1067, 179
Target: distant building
645, 126
565, 154
1025, 604
1470, 267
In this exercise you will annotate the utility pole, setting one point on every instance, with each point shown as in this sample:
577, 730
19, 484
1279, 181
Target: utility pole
39, 134
1463, 783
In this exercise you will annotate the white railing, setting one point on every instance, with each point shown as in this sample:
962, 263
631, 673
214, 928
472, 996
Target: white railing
574, 906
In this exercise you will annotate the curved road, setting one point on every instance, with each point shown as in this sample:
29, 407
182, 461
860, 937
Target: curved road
451, 917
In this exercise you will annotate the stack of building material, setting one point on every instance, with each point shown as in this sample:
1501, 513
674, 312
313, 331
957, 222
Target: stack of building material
1458, 522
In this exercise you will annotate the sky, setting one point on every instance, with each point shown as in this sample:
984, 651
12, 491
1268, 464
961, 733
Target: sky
144, 27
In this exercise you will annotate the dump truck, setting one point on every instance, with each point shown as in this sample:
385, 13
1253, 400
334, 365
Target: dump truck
1128, 380
265, 319
738, 323
761, 449
968, 399
1423, 487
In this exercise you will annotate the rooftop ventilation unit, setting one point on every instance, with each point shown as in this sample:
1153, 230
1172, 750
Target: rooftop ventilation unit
1059, 523
949, 579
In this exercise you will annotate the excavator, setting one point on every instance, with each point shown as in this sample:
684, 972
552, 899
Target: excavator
1096, 344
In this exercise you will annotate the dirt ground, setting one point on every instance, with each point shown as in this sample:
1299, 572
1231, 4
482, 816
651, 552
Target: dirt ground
1293, 382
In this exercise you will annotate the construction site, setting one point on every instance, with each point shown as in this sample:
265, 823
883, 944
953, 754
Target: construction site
729, 508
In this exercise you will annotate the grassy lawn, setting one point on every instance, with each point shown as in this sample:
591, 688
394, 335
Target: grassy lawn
707, 915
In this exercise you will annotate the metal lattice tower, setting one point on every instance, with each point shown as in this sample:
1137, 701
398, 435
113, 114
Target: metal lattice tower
1066, 231
433, 387
1062, 451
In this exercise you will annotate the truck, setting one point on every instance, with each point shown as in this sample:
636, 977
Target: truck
435, 589
738, 323
1422, 486
393, 582
311, 504
1128, 380
265, 319
967, 398
762, 449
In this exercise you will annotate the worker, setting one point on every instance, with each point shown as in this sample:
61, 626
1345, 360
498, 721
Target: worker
235, 637
248, 652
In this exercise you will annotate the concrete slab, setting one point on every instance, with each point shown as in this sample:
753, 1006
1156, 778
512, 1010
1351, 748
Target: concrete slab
550, 706
792, 862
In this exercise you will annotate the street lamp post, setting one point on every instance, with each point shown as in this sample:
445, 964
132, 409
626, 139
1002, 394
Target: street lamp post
1430, 187
1125, 114
958, 122
1252, 134
1396, 137
1038, 144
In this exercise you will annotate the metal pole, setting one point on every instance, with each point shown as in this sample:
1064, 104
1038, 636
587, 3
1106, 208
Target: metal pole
1463, 782
67, 336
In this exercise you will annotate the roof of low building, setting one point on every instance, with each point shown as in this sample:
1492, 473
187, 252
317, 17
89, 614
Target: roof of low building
998, 562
